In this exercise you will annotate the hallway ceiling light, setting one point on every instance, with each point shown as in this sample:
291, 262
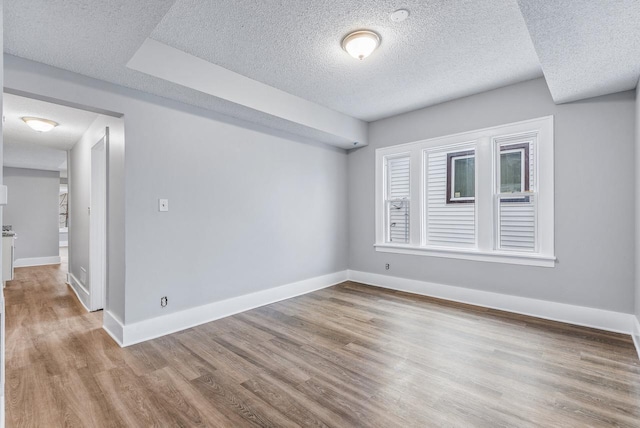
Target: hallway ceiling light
360, 44
39, 124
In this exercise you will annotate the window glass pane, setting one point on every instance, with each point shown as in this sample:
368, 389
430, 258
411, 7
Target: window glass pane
397, 203
464, 180
398, 215
511, 172
449, 196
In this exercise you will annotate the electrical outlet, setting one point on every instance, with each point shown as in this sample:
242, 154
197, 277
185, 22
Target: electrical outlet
386, 266
164, 301
163, 205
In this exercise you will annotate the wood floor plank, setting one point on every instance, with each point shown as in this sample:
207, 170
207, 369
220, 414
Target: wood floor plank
30, 398
185, 405
348, 355
237, 402
182, 359
126, 392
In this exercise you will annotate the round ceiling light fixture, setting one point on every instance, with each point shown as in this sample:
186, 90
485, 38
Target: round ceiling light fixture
360, 44
39, 124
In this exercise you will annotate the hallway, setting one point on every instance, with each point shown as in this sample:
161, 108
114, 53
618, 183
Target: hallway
50, 340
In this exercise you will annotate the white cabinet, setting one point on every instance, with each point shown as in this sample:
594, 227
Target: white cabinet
7, 257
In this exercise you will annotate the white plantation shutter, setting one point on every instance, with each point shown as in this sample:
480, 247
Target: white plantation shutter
518, 225
448, 225
397, 199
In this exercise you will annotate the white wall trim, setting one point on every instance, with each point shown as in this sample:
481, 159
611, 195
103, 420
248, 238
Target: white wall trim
113, 326
470, 254
37, 261
181, 320
636, 334
578, 315
64, 243
80, 290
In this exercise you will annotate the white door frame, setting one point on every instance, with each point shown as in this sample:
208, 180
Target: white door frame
98, 224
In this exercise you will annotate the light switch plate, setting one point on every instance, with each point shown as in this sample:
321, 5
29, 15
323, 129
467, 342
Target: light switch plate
163, 205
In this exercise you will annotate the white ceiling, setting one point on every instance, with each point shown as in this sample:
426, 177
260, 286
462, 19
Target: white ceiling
587, 48
444, 50
97, 38
26, 148
72, 122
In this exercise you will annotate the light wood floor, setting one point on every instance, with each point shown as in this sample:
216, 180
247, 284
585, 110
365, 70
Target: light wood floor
346, 356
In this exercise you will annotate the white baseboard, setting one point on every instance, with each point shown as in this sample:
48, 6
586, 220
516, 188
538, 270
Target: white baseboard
181, 320
636, 334
37, 261
113, 326
80, 290
578, 315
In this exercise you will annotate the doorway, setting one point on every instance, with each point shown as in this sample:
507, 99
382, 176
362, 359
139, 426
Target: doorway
74, 149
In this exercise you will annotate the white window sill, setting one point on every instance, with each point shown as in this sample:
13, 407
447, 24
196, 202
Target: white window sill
470, 254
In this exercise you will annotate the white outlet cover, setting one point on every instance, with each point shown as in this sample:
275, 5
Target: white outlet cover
163, 205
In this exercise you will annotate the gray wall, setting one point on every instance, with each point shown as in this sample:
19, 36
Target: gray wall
33, 211
79, 172
637, 213
594, 197
250, 208
1, 179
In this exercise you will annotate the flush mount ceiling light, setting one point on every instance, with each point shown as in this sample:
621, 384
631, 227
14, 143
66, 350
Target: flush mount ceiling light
360, 44
39, 124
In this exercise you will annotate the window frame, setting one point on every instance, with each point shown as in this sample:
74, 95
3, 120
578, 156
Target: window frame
388, 200
486, 143
451, 175
525, 171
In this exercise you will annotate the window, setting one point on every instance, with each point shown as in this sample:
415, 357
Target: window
397, 199
484, 195
516, 202
461, 177
514, 170
63, 207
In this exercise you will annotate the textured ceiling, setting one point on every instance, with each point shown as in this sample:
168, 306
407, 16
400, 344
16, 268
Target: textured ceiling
446, 49
587, 48
97, 38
